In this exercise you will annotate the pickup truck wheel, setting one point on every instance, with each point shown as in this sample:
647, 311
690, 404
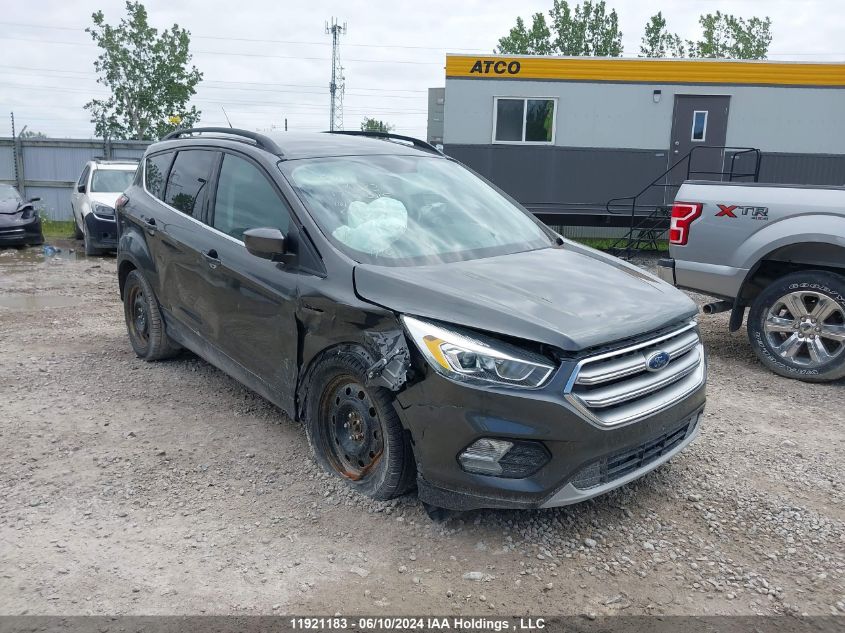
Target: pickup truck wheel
143, 320
354, 431
797, 326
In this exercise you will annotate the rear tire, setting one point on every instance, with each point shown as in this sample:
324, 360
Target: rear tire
143, 320
354, 431
797, 326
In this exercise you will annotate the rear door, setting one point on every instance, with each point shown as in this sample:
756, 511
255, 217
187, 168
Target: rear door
698, 121
180, 263
249, 304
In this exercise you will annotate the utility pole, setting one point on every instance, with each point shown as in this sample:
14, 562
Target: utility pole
336, 86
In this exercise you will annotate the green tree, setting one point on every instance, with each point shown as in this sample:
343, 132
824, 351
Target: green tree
588, 29
375, 125
658, 41
32, 134
537, 41
726, 36
148, 75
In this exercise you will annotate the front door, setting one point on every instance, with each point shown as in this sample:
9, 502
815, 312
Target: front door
698, 121
252, 300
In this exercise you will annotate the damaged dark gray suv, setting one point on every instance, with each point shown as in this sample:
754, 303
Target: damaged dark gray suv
425, 328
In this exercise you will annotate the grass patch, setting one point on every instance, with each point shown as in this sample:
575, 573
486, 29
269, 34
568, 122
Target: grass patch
604, 243
57, 228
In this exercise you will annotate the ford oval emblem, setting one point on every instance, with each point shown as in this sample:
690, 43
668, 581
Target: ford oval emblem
657, 360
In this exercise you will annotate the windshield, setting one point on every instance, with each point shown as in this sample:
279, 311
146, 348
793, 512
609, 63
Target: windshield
410, 210
7, 192
111, 180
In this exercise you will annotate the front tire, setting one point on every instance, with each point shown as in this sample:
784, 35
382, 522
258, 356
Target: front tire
143, 320
90, 250
77, 232
354, 431
797, 326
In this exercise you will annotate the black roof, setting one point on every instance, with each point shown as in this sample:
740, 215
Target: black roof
293, 145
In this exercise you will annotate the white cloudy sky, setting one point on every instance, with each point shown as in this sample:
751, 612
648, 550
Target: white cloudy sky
265, 60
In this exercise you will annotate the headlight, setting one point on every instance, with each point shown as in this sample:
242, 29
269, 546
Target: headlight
475, 359
102, 210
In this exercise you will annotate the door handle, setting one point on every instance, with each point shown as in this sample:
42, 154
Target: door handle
211, 258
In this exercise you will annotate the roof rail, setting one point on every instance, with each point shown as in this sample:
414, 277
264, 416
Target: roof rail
263, 141
388, 136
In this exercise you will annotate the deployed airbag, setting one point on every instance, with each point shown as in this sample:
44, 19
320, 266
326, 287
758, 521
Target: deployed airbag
373, 227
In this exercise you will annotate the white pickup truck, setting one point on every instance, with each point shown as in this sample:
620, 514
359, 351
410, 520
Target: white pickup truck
777, 249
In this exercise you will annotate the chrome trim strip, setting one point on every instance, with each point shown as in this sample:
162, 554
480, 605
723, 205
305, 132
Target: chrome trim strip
677, 387
644, 384
623, 367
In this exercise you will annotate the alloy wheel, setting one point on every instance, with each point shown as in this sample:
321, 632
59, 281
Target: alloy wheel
806, 328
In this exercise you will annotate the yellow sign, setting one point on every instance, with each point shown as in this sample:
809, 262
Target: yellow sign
646, 70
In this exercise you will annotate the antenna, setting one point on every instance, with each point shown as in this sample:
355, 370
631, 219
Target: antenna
337, 83
226, 115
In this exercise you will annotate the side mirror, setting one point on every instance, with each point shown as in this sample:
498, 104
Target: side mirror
80, 188
266, 243
35, 199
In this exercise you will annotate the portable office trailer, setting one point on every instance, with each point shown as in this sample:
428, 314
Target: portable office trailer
564, 135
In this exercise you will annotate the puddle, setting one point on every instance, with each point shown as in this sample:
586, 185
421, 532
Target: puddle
64, 250
26, 303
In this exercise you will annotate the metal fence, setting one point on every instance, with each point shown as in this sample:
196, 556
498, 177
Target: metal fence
48, 168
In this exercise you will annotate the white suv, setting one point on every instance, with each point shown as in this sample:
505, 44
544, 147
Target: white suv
93, 200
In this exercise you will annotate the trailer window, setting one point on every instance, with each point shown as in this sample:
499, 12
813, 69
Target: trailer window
524, 120
699, 125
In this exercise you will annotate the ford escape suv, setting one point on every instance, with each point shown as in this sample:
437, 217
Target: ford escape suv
424, 327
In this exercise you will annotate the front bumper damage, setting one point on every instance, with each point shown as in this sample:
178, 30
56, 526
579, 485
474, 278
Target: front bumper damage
20, 232
585, 460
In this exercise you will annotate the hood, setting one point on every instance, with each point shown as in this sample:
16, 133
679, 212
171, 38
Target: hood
108, 198
572, 298
8, 206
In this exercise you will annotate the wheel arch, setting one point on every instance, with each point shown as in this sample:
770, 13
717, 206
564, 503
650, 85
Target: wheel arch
785, 259
133, 253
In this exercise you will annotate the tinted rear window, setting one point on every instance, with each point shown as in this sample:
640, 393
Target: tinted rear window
155, 171
188, 178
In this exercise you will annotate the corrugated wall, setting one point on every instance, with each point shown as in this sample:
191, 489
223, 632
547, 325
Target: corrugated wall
51, 167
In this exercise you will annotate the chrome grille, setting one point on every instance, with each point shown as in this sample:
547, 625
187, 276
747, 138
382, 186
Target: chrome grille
618, 387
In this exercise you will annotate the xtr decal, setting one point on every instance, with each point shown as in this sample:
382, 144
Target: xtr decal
730, 211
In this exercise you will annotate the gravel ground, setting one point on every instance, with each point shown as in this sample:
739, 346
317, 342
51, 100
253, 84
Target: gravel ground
167, 488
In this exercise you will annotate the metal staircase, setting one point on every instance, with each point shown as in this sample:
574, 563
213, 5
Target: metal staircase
650, 221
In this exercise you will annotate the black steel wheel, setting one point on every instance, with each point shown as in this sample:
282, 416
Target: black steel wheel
354, 430
143, 320
353, 434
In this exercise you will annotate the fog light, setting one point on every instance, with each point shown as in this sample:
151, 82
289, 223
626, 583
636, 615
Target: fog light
483, 456
501, 458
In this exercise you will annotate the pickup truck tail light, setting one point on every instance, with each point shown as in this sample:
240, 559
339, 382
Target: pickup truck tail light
683, 214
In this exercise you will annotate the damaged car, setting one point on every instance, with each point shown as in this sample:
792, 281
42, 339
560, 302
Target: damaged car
20, 224
426, 329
